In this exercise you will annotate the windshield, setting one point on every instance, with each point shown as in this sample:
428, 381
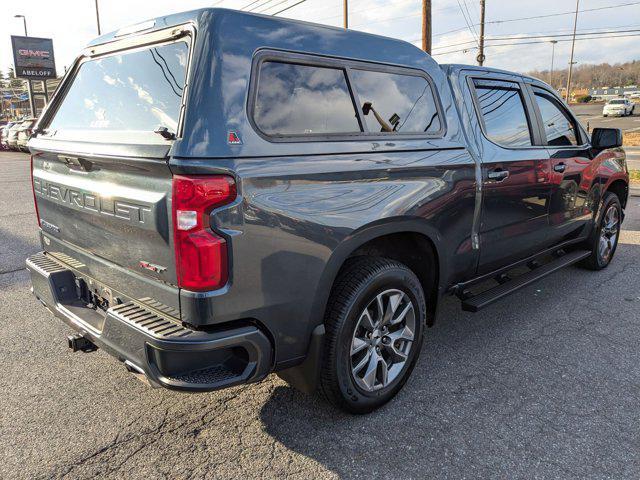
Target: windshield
616, 102
133, 92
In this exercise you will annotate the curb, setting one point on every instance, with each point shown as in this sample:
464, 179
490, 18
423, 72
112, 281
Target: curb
634, 191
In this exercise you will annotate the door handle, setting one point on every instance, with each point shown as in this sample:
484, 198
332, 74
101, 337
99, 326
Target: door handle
498, 175
560, 167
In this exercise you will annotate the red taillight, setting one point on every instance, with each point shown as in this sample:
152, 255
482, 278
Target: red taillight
33, 190
201, 255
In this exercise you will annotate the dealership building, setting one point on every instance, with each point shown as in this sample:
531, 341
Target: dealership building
606, 93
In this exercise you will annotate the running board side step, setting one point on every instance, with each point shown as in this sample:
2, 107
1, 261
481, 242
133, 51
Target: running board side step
477, 302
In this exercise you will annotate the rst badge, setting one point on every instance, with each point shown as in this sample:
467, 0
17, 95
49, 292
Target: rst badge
152, 266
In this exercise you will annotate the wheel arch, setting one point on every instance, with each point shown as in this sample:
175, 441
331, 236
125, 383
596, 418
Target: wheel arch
620, 187
376, 239
304, 376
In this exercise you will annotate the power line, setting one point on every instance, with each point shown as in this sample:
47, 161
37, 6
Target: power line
289, 7
466, 7
527, 37
565, 30
537, 42
255, 7
565, 13
619, 5
274, 5
249, 4
466, 21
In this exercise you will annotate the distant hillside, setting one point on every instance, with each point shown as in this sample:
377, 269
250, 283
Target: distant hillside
585, 76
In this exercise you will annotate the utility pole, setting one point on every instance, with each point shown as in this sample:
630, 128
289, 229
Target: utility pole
553, 53
32, 103
481, 56
98, 17
426, 26
346, 13
573, 44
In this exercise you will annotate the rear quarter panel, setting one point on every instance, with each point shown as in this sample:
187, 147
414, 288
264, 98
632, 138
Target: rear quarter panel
299, 218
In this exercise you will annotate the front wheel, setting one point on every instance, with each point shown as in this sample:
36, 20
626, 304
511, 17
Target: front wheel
604, 241
374, 326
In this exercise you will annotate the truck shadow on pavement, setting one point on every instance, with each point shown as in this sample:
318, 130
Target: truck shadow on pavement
14, 250
545, 381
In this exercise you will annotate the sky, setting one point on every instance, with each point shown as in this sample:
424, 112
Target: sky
72, 24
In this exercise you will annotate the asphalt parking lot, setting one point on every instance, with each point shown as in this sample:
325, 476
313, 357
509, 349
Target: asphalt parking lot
543, 385
591, 113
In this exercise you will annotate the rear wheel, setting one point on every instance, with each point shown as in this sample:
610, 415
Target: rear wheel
604, 241
374, 326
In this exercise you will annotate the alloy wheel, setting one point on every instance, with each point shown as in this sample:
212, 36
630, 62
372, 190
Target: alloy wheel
382, 340
609, 233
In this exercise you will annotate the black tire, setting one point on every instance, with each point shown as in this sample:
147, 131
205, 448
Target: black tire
362, 280
596, 261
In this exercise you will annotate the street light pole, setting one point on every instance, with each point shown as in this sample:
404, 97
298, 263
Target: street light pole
573, 44
32, 105
98, 17
553, 52
24, 23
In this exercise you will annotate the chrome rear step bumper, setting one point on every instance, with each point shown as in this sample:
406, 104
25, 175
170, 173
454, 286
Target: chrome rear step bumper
149, 337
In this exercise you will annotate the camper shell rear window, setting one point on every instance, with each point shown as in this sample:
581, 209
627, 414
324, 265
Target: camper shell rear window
124, 96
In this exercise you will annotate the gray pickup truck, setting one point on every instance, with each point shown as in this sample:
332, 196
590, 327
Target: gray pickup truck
223, 195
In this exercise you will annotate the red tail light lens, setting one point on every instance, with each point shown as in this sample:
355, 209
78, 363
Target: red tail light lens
201, 255
33, 190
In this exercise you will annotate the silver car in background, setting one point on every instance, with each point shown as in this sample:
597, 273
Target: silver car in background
4, 133
24, 133
12, 136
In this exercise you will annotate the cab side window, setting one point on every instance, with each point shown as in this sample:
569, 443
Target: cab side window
559, 128
503, 113
396, 103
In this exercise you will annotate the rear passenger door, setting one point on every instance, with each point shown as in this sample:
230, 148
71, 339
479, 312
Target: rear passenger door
571, 205
515, 171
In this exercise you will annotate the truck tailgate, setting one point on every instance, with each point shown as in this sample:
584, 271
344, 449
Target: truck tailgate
116, 208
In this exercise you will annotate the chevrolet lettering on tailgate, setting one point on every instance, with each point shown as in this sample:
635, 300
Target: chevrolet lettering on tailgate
135, 213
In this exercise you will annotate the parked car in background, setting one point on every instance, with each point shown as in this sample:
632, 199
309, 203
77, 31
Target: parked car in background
24, 133
12, 136
309, 198
4, 133
618, 106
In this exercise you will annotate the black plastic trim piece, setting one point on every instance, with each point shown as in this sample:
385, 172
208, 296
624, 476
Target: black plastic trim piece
477, 302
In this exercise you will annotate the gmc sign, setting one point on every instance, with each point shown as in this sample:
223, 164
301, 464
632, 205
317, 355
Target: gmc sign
33, 57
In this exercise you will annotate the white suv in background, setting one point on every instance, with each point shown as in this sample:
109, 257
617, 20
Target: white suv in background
618, 106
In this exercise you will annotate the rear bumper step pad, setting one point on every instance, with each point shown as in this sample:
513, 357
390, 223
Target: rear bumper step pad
147, 334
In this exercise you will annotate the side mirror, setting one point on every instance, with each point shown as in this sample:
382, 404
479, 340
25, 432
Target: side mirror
602, 138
